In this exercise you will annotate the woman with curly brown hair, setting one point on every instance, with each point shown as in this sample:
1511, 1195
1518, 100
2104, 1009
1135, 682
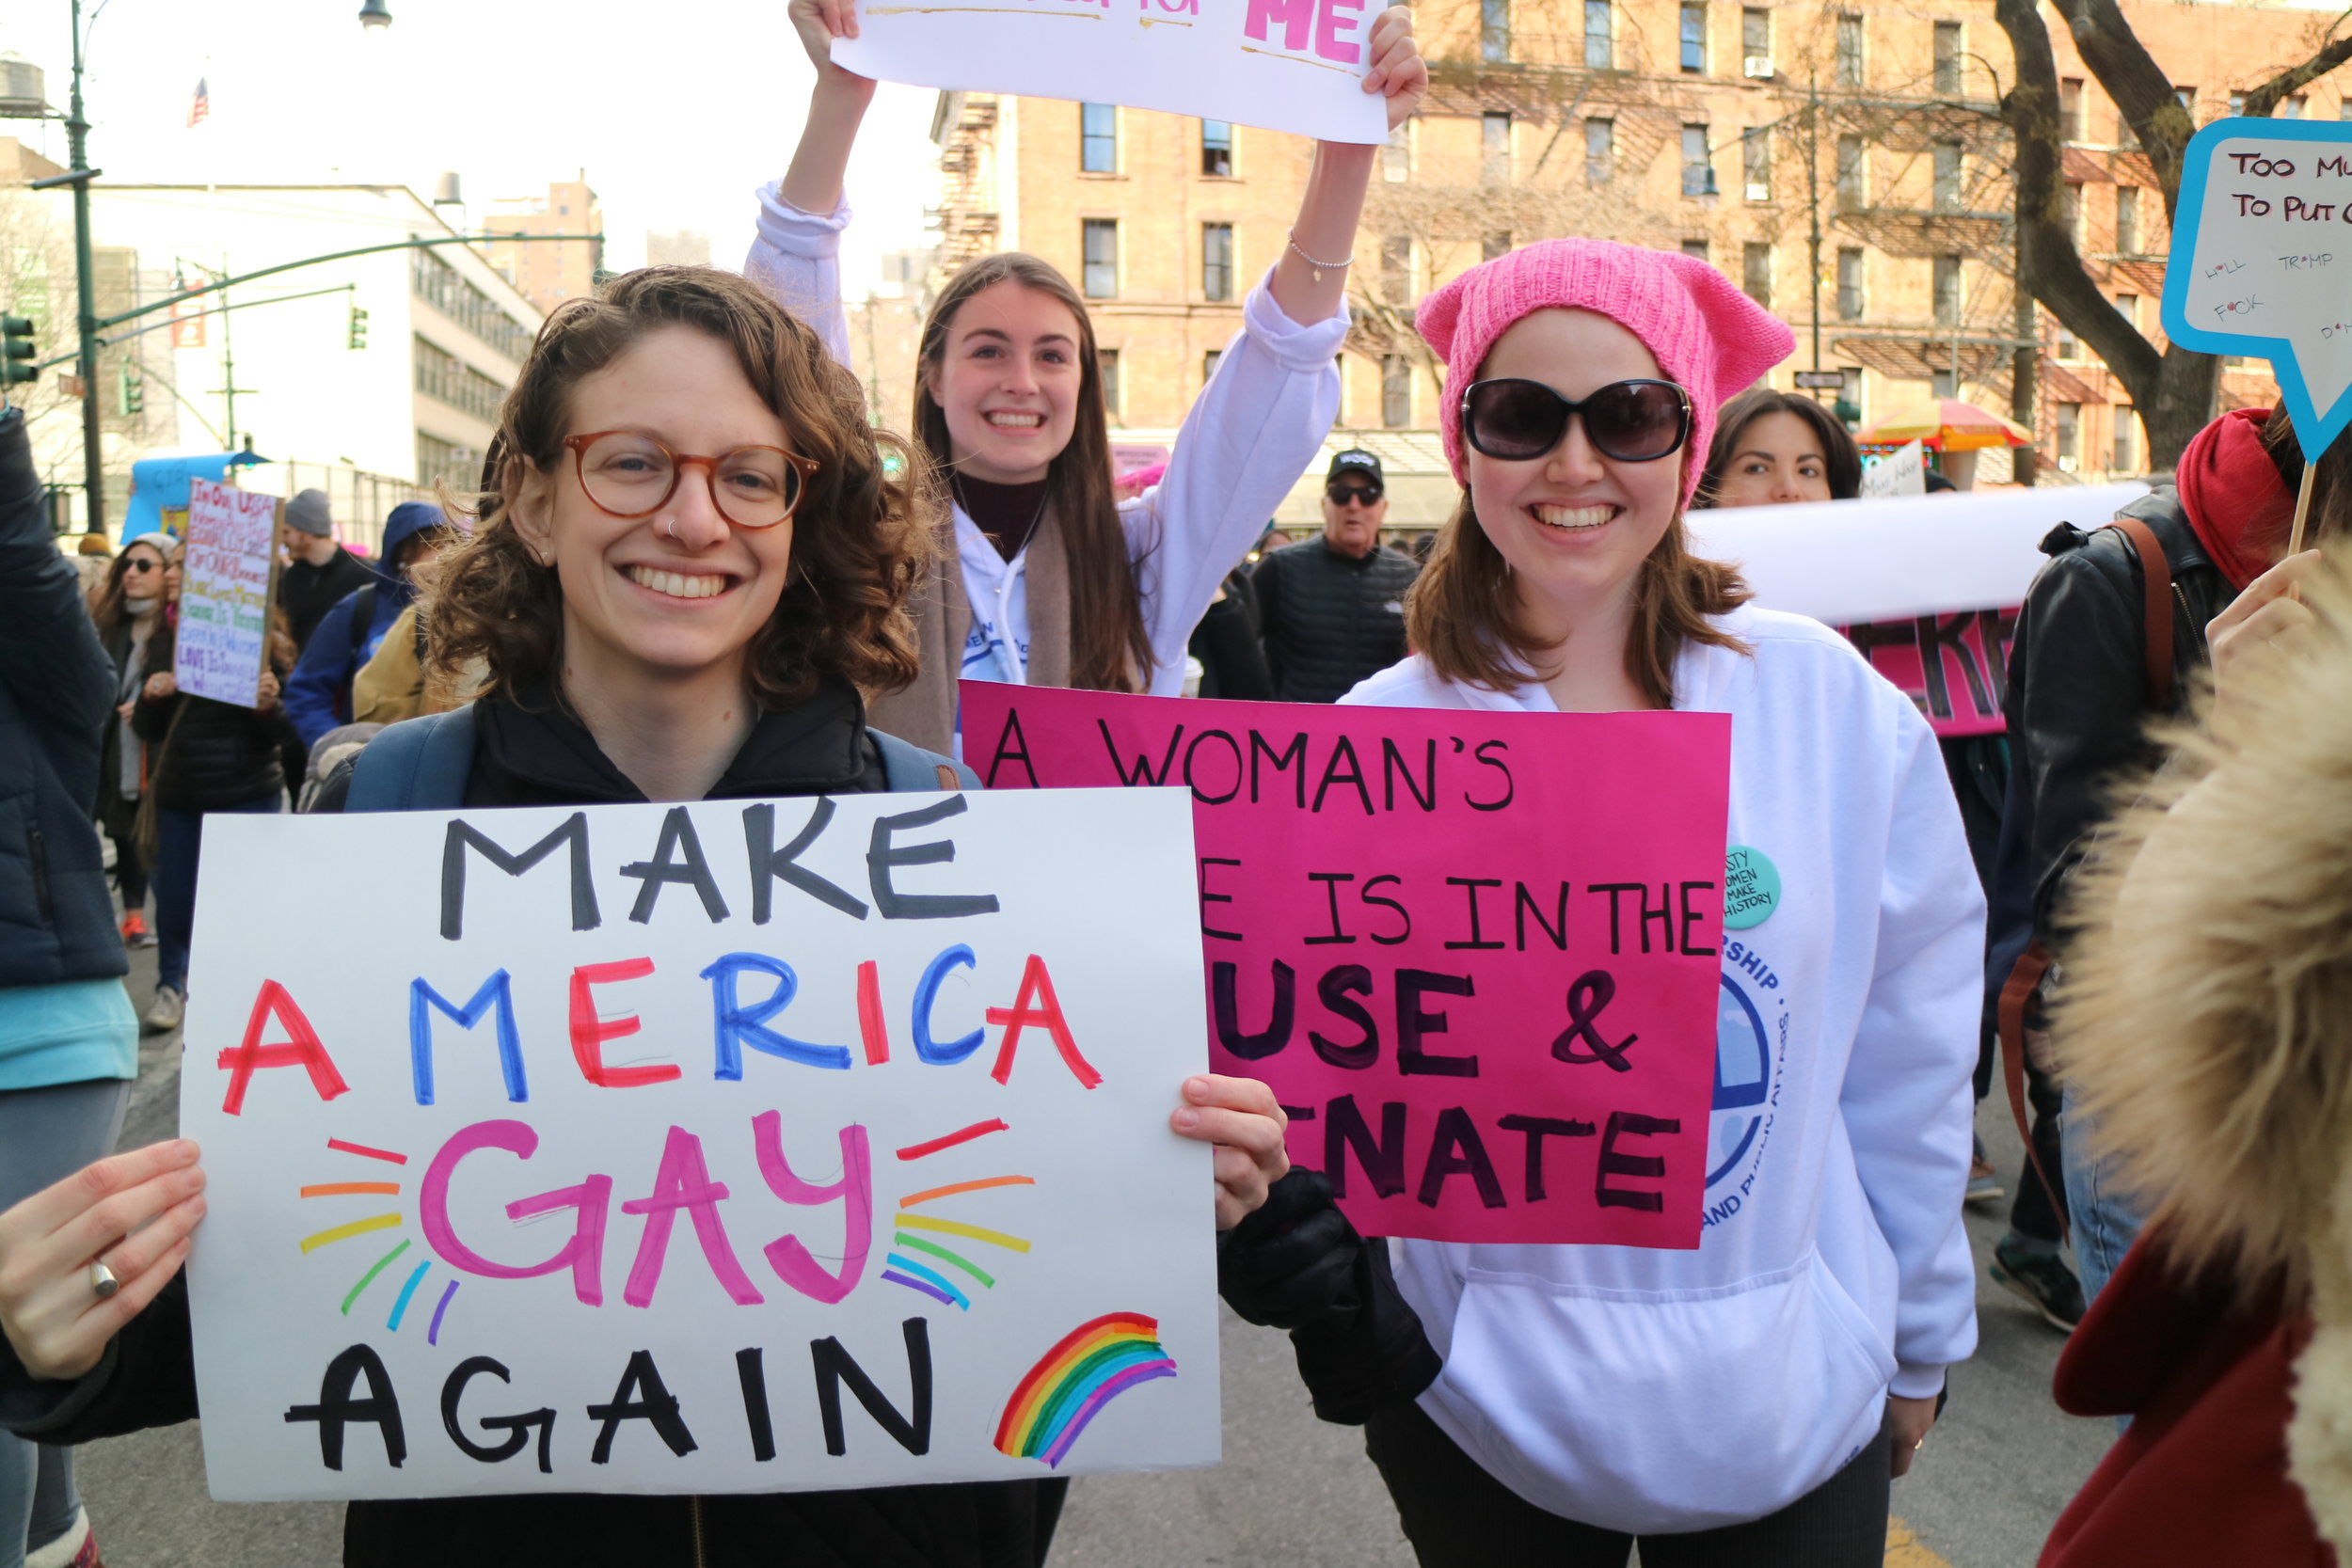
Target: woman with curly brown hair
692, 559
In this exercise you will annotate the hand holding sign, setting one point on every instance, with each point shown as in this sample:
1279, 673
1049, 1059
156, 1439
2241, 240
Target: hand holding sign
2262, 264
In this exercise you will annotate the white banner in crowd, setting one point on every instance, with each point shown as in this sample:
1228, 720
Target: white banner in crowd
1843, 562
738, 1147
228, 577
1284, 65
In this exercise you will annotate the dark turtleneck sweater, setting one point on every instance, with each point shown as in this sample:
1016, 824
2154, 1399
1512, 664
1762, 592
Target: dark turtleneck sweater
1008, 514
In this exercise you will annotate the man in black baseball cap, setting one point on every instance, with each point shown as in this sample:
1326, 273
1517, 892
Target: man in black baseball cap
1333, 608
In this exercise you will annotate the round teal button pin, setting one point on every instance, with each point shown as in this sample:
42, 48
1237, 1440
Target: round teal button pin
1751, 888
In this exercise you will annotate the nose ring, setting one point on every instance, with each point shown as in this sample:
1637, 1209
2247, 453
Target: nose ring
670, 528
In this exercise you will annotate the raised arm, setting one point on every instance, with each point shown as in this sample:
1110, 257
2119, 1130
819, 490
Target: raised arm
795, 254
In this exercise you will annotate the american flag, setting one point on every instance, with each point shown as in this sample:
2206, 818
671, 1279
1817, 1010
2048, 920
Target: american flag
202, 104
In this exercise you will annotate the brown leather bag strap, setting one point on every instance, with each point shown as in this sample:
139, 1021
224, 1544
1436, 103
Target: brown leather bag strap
2010, 1022
947, 779
2155, 583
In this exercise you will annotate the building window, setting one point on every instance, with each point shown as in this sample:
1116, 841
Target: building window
2071, 210
2343, 109
1849, 49
1948, 58
1495, 243
2125, 457
2127, 219
1495, 148
443, 287
2186, 97
1694, 37
1396, 269
1947, 177
1107, 367
1396, 391
2067, 349
1600, 151
1396, 158
1598, 52
2071, 109
1852, 195
1756, 162
440, 463
1943, 384
1695, 249
1755, 40
2295, 107
1216, 263
443, 376
2127, 307
1948, 291
1216, 150
1098, 138
1208, 365
1698, 167
1494, 31
2237, 105
1756, 272
1850, 303
1102, 257
2069, 436
2125, 138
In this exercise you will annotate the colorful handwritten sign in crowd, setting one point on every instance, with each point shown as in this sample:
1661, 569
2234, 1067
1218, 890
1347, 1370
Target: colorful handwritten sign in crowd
1476, 955
228, 573
732, 1147
1954, 668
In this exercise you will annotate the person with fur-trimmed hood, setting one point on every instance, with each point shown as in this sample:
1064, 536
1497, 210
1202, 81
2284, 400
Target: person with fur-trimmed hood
2205, 1022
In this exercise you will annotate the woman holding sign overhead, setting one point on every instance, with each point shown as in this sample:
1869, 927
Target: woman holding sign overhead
1745, 1403
655, 624
1049, 581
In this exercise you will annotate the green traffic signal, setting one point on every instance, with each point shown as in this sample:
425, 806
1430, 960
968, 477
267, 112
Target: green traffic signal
16, 350
358, 336
130, 391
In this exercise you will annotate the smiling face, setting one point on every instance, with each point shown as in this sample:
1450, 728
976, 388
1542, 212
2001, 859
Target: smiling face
1574, 526
1008, 382
1775, 460
679, 592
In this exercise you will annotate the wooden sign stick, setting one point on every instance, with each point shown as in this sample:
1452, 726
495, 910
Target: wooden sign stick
2302, 506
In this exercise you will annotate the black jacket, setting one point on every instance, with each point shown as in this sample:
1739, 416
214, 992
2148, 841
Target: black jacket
305, 592
1331, 619
2077, 701
56, 692
1232, 661
539, 755
218, 755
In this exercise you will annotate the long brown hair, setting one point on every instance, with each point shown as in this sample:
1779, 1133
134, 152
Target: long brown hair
1461, 613
107, 599
861, 539
1109, 650
1841, 460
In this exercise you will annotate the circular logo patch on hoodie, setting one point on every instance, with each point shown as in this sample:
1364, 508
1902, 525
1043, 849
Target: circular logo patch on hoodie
1751, 888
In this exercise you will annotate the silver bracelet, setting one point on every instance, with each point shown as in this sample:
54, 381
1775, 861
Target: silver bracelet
1319, 266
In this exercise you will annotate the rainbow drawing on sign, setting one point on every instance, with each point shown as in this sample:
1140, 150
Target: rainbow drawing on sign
916, 1273
374, 1222
1092, 1364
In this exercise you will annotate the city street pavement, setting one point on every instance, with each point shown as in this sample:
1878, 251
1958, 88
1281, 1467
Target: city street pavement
1292, 1492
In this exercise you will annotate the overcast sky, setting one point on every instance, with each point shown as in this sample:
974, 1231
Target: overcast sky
676, 111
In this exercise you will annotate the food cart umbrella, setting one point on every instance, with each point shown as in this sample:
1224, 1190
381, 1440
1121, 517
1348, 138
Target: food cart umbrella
1946, 425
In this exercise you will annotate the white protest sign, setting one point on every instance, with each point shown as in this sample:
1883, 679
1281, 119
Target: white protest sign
1900, 473
1285, 65
740, 1147
1861, 561
2261, 259
228, 576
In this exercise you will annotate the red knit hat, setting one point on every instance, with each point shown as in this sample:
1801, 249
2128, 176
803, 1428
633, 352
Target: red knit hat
1706, 336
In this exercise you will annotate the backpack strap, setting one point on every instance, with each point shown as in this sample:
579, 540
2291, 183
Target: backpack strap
907, 768
2155, 583
417, 765
2010, 1022
362, 616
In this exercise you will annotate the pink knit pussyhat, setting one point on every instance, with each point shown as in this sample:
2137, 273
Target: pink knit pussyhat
1706, 336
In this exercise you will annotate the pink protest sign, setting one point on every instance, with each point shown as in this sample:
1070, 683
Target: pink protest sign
1954, 667
1476, 955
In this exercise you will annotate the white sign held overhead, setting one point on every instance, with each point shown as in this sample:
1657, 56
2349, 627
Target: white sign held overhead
227, 580
1282, 65
734, 1147
2261, 259
1900, 473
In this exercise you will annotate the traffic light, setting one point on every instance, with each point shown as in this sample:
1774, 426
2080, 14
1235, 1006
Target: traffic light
130, 391
359, 328
16, 350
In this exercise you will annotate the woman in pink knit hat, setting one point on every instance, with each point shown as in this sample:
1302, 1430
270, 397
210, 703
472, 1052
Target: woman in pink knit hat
1745, 1403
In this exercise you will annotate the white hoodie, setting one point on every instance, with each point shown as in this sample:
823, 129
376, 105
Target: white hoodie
1655, 1391
1257, 426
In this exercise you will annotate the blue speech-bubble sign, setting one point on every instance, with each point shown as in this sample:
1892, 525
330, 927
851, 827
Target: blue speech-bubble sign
2261, 259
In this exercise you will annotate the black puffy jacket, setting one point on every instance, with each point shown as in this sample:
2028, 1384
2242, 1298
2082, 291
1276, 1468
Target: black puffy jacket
56, 692
1330, 620
218, 755
537, 754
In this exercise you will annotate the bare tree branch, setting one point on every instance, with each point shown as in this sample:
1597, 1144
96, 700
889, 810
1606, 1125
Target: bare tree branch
2264, 99
2139, 86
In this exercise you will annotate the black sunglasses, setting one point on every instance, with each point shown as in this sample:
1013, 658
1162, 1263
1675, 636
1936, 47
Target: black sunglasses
1631, 421
1363, 494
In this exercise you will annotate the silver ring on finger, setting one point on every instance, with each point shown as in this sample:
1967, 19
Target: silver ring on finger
101, 1279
